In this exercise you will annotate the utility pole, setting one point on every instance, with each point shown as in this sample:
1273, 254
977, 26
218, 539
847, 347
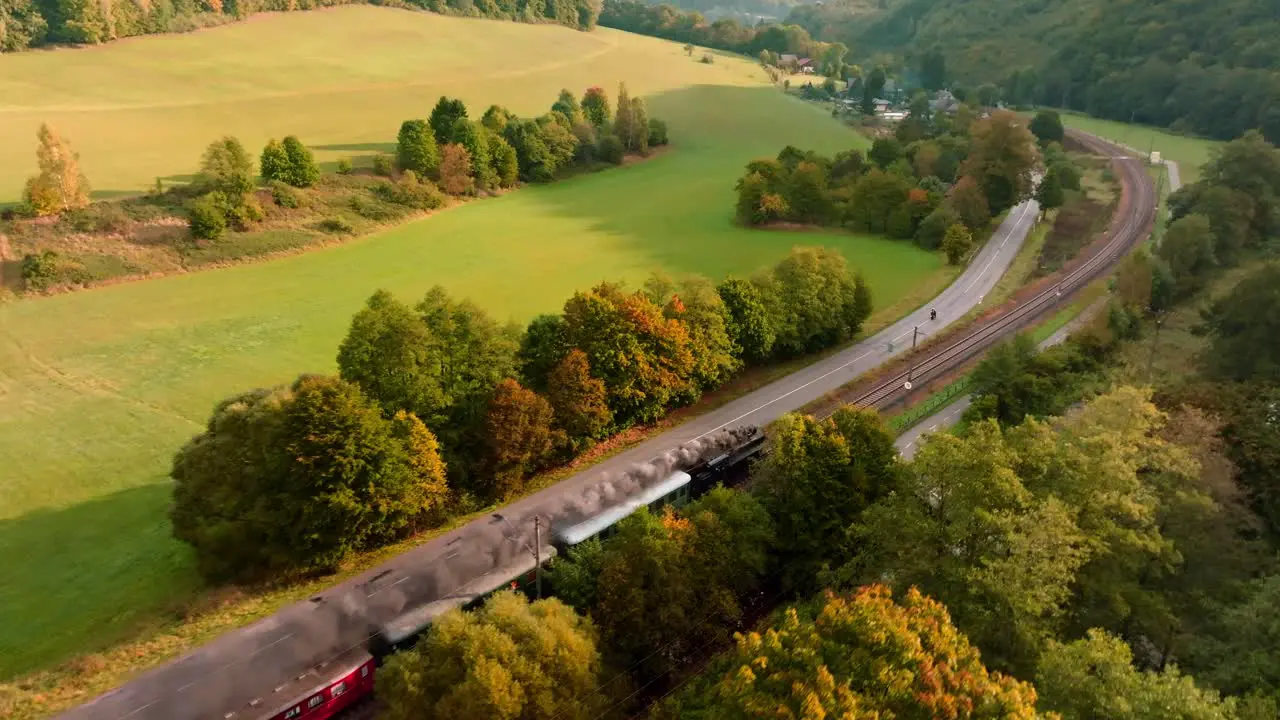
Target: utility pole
537, 553
915, 333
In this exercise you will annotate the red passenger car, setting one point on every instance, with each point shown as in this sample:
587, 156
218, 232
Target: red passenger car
321, 692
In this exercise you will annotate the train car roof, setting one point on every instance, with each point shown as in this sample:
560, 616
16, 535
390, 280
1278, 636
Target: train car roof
297, 689
575, 534
414, 620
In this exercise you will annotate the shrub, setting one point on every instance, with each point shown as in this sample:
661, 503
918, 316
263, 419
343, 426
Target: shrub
374, 209
302, 164
285, 195
657, 132
208, 217
274, 163
245, 212
103, 217
409, 191
39, 271
337, 225
416, 148
384, 165
707, 59
610, 149
344, 166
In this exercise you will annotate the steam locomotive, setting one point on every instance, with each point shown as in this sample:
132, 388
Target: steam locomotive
328, 689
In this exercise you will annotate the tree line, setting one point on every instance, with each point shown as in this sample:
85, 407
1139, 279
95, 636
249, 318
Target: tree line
937, 181
36, 23
437, 407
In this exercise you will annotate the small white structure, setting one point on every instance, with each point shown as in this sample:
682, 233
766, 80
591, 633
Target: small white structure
1155, 158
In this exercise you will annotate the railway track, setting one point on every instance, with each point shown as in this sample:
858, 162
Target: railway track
1136, 213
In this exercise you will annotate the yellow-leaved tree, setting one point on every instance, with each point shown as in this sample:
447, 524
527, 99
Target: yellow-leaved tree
60, 185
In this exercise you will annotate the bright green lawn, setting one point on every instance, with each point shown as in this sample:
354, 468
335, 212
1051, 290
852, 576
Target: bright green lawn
1190, 153
99, 388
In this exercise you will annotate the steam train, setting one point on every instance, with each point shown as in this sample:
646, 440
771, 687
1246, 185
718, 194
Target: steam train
332, 687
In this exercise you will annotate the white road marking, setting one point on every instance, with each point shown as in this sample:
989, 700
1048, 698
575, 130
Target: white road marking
997, 253
135, 712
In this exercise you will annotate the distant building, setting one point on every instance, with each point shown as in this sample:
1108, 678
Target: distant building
805, 65
788, 60
945, 102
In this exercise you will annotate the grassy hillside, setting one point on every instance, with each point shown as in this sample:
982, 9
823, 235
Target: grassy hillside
99, 388
1189, 153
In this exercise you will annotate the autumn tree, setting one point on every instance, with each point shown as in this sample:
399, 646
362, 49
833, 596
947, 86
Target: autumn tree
750, 325
595, 105
298, 478
957, 243
1094, 679
694, 302
456, 170
518, 436
1002, 157
509, 660
579, 400
968, 201
858, 655
643, 357
416, 149
964, 529
444, 116
59, 185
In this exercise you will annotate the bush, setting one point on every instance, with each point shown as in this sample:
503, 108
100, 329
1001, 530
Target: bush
707, 59
102, 217
384, 165
344, 166
208, 217
657, 132
375, 209
610, 149
410, 192
285, 195
302, 164
39, 271
337, 225
244, 213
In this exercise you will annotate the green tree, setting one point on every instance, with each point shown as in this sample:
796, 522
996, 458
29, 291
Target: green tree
595, 105
388, 352
885, 152
657, 133
505, 163
208, 217
815, 486
473, 137
862, 656
806, 194
813, 300
933, 229
933, 70
1050, 194
750, 326
542, 347
518, 437
566, 104
444, 116
228, 169
874, 198
298, 478
274, 162
624, 120
1187, 248
1244, 326
302, 165
579, 400
643, 357
416, 149
510, 660
1002, 156
1095, 678
1047, 127
957, 243
496, 119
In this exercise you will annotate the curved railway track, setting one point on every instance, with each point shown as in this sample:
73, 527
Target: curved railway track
1131, 224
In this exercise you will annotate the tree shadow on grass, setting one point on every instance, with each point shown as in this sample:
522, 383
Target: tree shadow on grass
78, 578
357, 147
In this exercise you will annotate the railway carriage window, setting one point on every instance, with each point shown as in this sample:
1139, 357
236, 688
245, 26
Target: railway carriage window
338, 689
293, 712
314, 701
364, 671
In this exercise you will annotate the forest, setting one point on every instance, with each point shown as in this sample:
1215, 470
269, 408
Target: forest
1204, 68
37, 23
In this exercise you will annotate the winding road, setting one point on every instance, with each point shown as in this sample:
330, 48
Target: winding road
222, 678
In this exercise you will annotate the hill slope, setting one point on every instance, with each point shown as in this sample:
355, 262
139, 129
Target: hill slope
1209, 67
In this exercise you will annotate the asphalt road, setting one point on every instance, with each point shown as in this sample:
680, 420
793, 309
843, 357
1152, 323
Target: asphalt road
909, 441
225, 675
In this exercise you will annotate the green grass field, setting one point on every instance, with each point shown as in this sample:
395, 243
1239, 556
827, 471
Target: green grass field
99, 388
1190, 153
